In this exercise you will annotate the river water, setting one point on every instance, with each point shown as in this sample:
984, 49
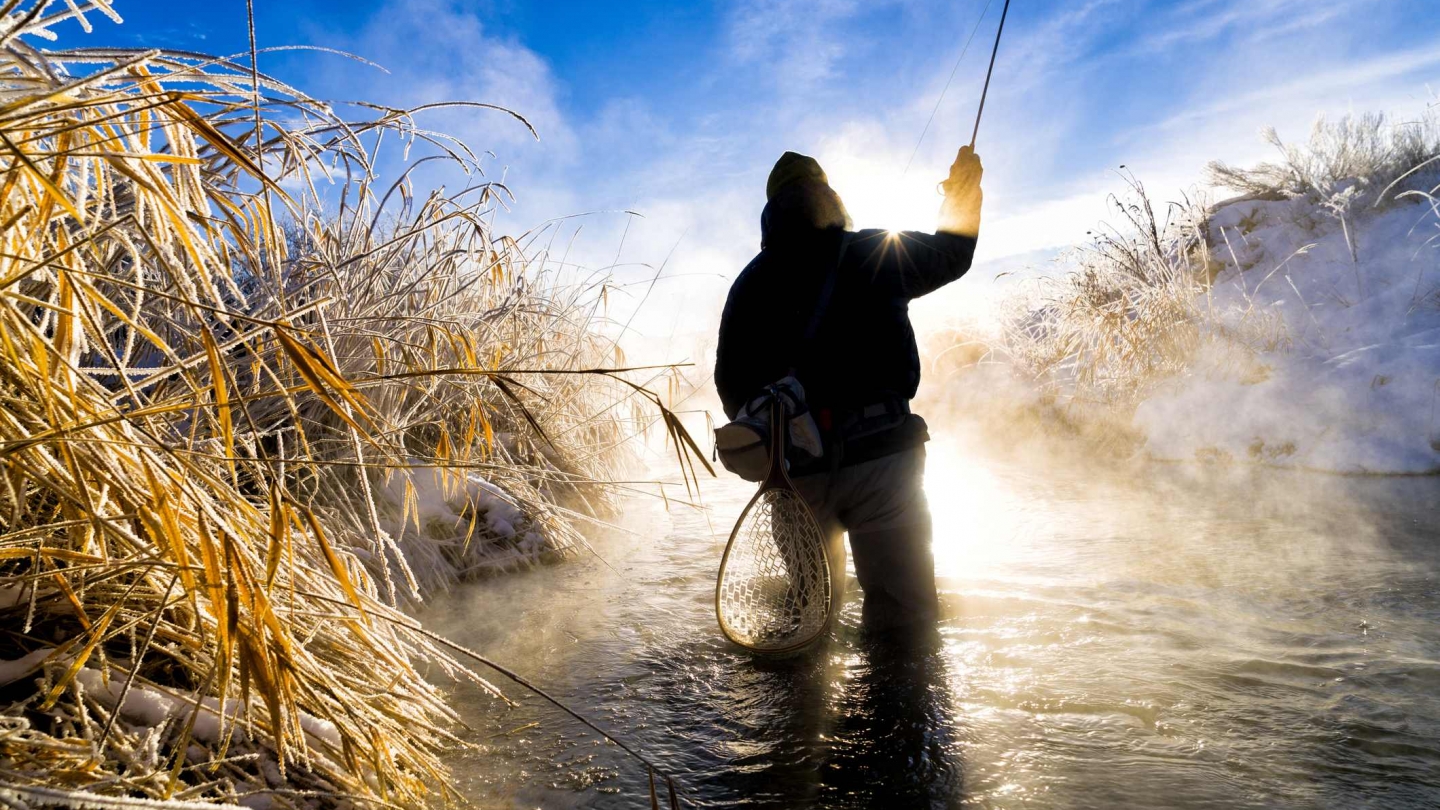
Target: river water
1159, 638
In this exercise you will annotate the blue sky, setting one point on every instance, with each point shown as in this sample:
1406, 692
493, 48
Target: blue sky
678, 110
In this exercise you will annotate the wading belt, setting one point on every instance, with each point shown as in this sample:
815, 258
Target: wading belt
854, 423
840, 426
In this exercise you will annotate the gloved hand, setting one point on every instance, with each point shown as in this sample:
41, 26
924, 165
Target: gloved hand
960, 213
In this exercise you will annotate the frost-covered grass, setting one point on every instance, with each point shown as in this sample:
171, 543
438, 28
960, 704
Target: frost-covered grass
254, 403
1127, 313
473, 363
1370, 154
1297, 325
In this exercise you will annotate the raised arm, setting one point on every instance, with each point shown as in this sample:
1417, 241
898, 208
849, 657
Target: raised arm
910, 264
960, 213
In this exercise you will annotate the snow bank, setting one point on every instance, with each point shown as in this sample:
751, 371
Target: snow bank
1356, 389
12, 671
24, 797
452, 524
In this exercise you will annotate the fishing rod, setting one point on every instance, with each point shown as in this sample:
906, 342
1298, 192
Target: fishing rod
964, 50
990, 70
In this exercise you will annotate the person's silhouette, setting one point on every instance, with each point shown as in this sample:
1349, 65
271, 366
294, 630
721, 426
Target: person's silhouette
860, 370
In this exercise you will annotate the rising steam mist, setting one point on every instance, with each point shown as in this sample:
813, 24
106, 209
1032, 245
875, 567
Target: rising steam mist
1174, 620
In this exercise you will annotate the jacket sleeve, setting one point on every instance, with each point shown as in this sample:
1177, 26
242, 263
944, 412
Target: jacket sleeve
728, 377
909, 264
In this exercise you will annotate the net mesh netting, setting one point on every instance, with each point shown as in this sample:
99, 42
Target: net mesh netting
775, 589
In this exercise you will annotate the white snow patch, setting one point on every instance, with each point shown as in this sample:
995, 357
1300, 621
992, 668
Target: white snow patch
445, 500
149, 708
1359, 388
502, 516
12, 671
449, 523
144, 707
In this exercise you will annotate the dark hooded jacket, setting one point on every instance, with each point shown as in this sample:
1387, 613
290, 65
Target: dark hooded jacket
864, 351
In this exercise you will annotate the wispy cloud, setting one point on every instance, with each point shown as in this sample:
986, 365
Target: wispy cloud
1247, 19
1312, 89
800, 39
436, 51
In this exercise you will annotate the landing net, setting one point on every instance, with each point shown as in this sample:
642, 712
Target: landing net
774, 593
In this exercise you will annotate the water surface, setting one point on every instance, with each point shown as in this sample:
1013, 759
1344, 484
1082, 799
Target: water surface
1154, 639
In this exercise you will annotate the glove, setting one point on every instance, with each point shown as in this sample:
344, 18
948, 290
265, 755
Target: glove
960, 213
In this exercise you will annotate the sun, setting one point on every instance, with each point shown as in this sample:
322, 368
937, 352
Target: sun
879, 195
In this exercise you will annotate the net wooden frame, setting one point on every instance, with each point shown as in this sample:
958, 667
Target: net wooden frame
775, 594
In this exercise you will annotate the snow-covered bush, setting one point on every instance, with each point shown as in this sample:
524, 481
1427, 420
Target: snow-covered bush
1128, 312
1298, 325
1360, 157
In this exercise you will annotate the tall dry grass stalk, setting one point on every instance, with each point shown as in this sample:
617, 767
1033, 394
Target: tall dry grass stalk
222, 412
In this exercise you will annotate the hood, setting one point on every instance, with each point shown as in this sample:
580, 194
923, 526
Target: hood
801, 212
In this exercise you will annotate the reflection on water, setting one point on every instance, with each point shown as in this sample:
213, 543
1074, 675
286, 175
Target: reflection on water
1260, 641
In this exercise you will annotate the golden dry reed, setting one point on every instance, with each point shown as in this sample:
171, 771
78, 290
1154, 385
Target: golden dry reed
227, 418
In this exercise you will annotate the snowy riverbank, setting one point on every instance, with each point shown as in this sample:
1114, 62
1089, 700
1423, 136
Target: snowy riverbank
1295, 326
1353, 386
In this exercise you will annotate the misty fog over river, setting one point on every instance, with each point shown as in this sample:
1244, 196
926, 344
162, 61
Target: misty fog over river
1169, 637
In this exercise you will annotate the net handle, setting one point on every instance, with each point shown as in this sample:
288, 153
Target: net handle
777, 478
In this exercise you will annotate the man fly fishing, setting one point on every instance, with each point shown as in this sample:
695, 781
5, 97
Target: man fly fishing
858, 363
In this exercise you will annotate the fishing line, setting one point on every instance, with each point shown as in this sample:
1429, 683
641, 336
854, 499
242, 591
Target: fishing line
946, 89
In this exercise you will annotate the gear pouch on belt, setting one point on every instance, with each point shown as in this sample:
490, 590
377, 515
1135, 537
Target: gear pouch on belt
744, 444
